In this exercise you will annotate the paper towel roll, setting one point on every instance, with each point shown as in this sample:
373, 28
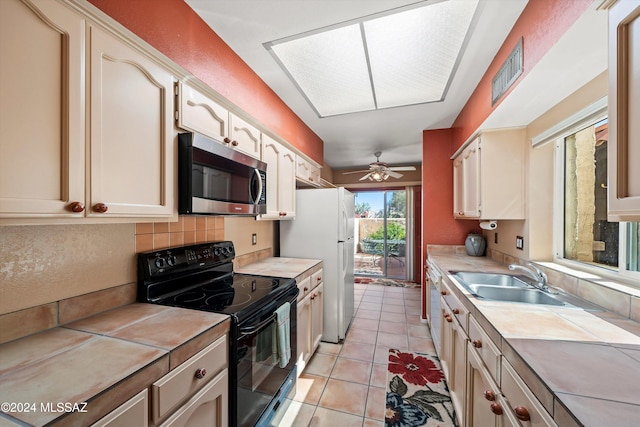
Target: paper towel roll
489, 225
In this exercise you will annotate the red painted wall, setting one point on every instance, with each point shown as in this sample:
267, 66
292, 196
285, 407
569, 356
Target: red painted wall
541, 24
173, 28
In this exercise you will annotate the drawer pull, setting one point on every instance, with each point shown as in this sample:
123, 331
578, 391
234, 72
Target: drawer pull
200, 373
456, 311
319, 278
496, 408
448, 318
476, 343
489, 395
522, 413
443, 292
305, 289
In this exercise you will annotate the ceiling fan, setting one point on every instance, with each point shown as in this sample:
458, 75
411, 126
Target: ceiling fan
380, 171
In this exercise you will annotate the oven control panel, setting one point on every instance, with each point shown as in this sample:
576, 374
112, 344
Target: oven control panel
183, 259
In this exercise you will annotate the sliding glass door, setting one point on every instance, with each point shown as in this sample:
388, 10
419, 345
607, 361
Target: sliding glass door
381, 233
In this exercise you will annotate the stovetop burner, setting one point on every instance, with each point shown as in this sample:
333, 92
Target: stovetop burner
201, 277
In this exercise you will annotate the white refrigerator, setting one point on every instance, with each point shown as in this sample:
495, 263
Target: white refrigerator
323, 229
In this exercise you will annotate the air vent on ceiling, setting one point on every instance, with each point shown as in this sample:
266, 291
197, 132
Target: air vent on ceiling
509, 72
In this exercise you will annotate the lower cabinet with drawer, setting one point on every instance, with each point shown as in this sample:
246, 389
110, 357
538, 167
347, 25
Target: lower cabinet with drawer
310, 317
496, 395
485, 389
195, 393
453, 348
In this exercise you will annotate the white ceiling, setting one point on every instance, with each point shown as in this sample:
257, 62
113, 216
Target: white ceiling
351, 139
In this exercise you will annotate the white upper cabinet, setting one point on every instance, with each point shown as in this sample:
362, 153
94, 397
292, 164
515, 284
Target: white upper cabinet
624, 110
41, 110
281, 179
244, 137
70, 152
199, 113
307, 173
131, 132
488, 176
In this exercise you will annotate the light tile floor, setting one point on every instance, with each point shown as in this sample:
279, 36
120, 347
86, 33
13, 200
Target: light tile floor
344, 384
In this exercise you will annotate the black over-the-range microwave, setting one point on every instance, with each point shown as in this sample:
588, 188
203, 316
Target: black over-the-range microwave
215, 179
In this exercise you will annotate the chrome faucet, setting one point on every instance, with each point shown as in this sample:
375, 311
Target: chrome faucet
535, 273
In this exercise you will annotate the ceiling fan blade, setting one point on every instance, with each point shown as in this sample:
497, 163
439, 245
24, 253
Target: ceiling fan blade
394, 174
402, 168
347, 173
365, 177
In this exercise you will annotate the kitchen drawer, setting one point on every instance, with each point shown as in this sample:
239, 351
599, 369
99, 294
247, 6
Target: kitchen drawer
485, 348
458, 310
305, 287
316, 278
186, 379
520, 399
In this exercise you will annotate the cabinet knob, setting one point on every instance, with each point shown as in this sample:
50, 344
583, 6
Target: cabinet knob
522, 413
461, 213
319, 278
227, 140
305, 289
489, 395
200, 373
456, 311
476, 343
496, 408
76, 207
234, 143
448, 318
282, 213
314, 296
100, 208
443, 292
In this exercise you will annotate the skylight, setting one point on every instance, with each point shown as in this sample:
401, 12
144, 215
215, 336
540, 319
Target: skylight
386, 60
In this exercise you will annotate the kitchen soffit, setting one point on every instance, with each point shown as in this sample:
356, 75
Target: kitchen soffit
404, 56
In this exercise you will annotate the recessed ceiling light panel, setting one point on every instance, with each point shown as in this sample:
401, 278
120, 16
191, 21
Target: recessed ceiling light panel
381, 61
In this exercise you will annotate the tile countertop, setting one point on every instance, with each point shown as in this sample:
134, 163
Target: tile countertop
583, 366
279, 267
102, 360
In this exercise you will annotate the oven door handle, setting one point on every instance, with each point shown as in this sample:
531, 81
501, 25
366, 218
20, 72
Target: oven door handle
245, 332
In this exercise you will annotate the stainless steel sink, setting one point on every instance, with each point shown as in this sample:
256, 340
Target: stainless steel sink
526, 295
492, 279
512, 288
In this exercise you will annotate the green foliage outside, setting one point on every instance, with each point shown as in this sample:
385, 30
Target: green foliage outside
395, 231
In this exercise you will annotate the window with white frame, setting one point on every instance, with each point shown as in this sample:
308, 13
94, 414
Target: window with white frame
582, 232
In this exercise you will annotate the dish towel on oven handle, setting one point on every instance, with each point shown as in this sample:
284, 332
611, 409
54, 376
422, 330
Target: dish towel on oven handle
283, 334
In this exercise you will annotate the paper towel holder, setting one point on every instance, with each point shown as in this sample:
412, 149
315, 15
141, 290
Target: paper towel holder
489, 225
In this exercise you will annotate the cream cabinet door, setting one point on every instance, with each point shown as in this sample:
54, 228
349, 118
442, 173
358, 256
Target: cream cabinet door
281, 184
303, 326
624, 109
458, 188
317, 308
41, 110
133, 413
131, 132
244, 137
199, 113
471, 178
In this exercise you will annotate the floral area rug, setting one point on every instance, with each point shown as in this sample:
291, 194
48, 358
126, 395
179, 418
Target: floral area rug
417, 394
383, 281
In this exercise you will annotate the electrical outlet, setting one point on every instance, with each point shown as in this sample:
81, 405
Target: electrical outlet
254, 239
495, 237
519, 242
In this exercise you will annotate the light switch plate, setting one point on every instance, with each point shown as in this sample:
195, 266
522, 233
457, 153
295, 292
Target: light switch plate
519, 242
254, 239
